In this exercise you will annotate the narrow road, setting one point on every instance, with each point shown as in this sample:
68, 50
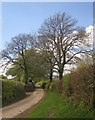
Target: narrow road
17, 108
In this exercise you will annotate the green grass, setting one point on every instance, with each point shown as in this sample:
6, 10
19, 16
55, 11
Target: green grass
55, 106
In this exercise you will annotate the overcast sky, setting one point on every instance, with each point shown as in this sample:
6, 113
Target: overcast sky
20, 17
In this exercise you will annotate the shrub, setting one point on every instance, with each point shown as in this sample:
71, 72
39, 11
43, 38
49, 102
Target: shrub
66, 87
51, 87
81, 85
3, 77
58, 86
45, 84
61, 86
78, 85
39, 84
12, 91
29, 87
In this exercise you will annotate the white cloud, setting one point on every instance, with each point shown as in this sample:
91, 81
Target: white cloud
2, 69
89, 30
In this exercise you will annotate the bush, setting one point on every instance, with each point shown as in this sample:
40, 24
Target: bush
3, 77
29, 87
12, 91
51, 87
39, 84
45, 84
80, 87
61, 86
58, 86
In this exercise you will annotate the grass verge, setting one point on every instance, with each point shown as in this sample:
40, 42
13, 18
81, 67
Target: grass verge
56, 106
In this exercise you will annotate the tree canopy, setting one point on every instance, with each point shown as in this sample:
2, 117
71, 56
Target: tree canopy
59, 41
62, 39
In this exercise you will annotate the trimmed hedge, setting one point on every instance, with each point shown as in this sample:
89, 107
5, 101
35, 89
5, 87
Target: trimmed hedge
12, 91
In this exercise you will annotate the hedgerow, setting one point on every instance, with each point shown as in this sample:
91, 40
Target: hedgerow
12, 91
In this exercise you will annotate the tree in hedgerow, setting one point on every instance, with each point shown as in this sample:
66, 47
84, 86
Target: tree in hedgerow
15, 52
63, 40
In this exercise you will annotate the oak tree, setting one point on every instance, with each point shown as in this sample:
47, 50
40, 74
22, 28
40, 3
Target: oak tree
15, 52
63, 39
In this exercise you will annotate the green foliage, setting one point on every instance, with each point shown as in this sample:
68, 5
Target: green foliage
78, 86
17, 72
46, 84
66, 79
81, 85
3, 77
39, 84
42, 83
11, 91
37, 68
56, 106
65, 84
51, 86
58, 86
29, 87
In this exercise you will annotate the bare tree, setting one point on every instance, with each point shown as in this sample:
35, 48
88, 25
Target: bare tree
64, 39
45, 47
16, 52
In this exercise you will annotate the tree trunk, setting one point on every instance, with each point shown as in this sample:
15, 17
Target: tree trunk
32, 84
51, 74
61, 70
25, 76
25, 70
25, 73
60, 74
